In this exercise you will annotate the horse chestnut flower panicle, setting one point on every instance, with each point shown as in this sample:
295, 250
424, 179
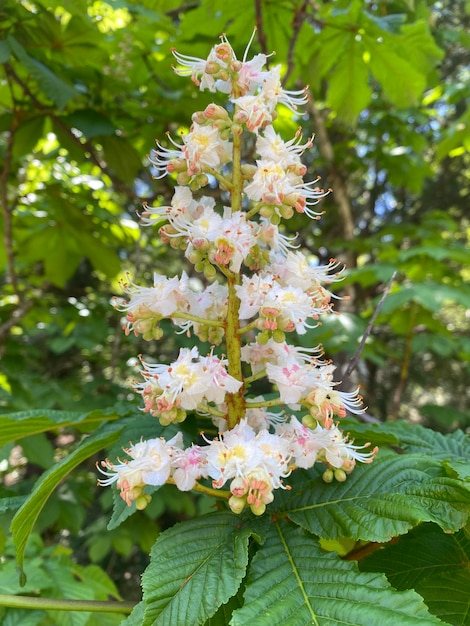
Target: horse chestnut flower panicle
255, 292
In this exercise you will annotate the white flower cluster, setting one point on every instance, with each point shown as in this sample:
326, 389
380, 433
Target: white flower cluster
254, 462
267, 291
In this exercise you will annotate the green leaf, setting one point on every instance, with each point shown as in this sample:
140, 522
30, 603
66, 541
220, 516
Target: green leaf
91, 123
421, 46
136, 618
400, 80
416, 438
25, 518
4, 51
195, 567
381, 500
49, 83
433, 563
292, 582
349, 92
122, 157
16, 426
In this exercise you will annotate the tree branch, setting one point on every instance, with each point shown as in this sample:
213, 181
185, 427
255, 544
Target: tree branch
353, 362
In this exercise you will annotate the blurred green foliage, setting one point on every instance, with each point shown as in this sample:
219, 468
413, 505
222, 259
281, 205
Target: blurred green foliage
85, 88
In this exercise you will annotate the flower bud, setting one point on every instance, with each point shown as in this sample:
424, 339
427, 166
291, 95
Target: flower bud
340, 475
143, 501
199, 118
263, 338
183, 178
309, 422
258, 509
328, 476
279, 336
236, 504
215, 112
212, 67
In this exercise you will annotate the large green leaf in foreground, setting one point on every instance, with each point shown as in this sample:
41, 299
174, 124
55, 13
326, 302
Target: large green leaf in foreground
195, 567
24, 520
292, 582
435, 564
381, 500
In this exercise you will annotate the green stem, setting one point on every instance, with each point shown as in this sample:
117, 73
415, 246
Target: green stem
264, 403
195, 318
216, 493
235, 401
253, 211
248, 327
222, 179
205, 408
56, 604
237, 177
257, 376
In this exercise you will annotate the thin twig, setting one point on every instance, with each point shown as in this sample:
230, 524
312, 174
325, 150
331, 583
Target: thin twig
7, 211
353, 362
260, 31
297, 22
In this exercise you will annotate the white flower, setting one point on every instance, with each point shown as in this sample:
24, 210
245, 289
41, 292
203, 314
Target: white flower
252, 293
204, 147
150, 464
270, 236
271, 147
188, 467
182, 203
163, 159
185, 383
273, 91
253, 111
277, 353
239, 451
218, 380
293, 307
237, 236
221, 71
304, 444
338, 452
148, 305
260, 418
292, 380
270, 183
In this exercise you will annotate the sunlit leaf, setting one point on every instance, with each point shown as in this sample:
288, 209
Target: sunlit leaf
205, 559
435, 564
382, 500
292, 581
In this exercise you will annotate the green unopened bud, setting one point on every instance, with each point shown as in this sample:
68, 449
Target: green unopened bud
286, 211
309, 422
183, 178
340, 475
263, 338
328, 476
157, 333
279, 336
249, 170
237, 504
266, 211
143, 501
209, 271
258, 510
